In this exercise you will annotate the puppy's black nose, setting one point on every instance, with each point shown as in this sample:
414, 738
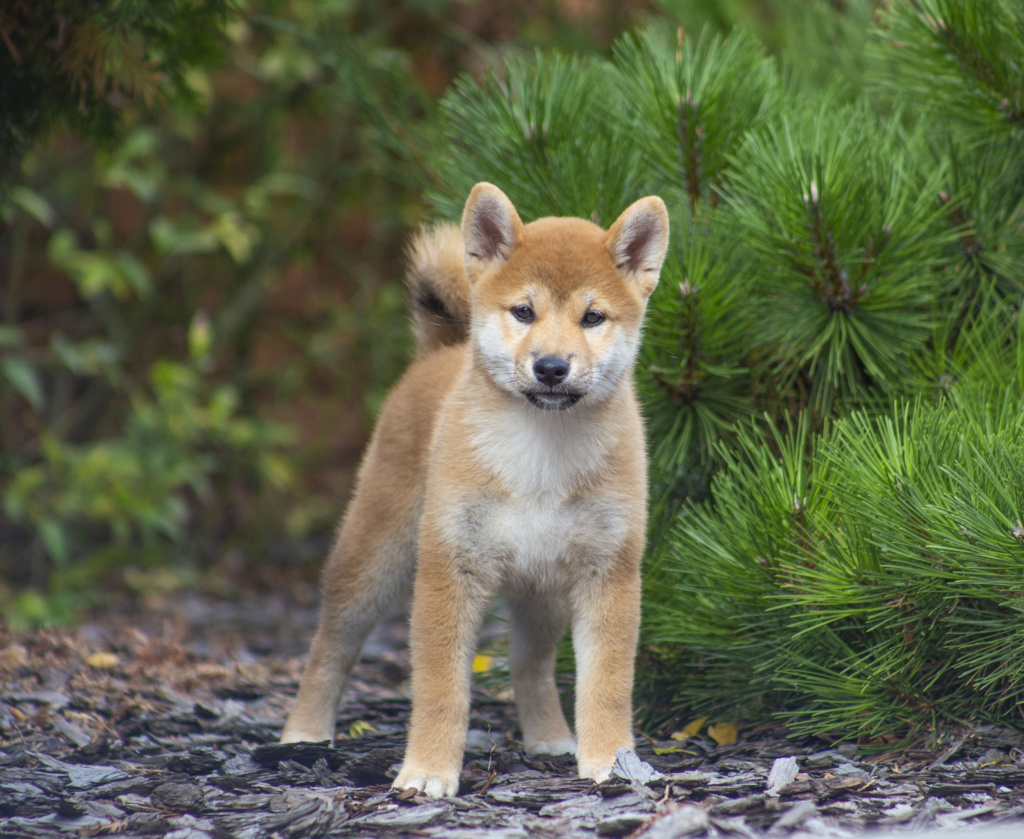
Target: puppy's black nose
551, 371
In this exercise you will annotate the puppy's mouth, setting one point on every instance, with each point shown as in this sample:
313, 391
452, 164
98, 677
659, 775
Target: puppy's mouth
552, 400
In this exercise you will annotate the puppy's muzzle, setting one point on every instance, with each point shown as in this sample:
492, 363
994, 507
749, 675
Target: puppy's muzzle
551, 370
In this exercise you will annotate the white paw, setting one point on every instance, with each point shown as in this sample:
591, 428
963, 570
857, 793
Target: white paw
558, 747
434, 784
597, 773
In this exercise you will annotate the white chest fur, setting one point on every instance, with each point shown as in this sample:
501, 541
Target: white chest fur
541, 455
547, 463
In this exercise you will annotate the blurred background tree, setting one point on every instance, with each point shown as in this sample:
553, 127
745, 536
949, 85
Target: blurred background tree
203, 207
83, 63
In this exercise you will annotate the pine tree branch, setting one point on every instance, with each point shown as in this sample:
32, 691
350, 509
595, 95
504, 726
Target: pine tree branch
690, 135
834, 288
970, 243
960, 48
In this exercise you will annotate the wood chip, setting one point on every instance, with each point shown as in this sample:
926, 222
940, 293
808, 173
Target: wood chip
195, 757
784, 770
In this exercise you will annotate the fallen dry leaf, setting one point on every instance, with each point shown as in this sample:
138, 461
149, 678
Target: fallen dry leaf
482, 663
672, 750
690, 730
103, 661
13, 657
724, 733
207, 670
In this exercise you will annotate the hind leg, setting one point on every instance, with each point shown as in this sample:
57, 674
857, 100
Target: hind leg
538, 622
374, 557
368, 571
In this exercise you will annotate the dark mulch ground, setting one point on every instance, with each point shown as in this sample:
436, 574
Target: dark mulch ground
164, 723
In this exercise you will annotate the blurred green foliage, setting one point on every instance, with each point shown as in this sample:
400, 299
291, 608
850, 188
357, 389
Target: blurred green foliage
203, 207
83, 61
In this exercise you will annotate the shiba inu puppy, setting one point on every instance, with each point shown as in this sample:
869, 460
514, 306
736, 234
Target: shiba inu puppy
509, 458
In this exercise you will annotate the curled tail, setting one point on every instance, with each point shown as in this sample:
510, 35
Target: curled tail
439, 294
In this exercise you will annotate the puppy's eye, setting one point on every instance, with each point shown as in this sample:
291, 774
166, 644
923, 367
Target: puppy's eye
523, 313
592, 318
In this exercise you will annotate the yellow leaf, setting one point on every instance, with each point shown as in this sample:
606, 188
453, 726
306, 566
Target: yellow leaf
103, 661
673, 750
482, 663
212, 671
724, 733
360, 727
13, 657
690, 730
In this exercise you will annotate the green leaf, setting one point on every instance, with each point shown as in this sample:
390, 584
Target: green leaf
171, 238
10, 336
236, 235
35, 205
200, 337
962, 60
62, 247
88, 358
54, 539
24, 379
121, 273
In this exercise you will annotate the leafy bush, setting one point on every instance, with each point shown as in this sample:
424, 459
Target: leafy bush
852, 570
176, 301
869, 588
201, 230
98, 500
180, 434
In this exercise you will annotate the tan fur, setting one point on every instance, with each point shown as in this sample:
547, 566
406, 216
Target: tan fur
511, 461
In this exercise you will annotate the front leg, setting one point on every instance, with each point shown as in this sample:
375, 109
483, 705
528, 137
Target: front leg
449, 603
606, 626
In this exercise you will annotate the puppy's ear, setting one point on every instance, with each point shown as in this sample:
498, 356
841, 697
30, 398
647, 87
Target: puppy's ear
491, 229
638, 241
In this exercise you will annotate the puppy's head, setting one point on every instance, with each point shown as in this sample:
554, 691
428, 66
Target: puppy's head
558, 303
